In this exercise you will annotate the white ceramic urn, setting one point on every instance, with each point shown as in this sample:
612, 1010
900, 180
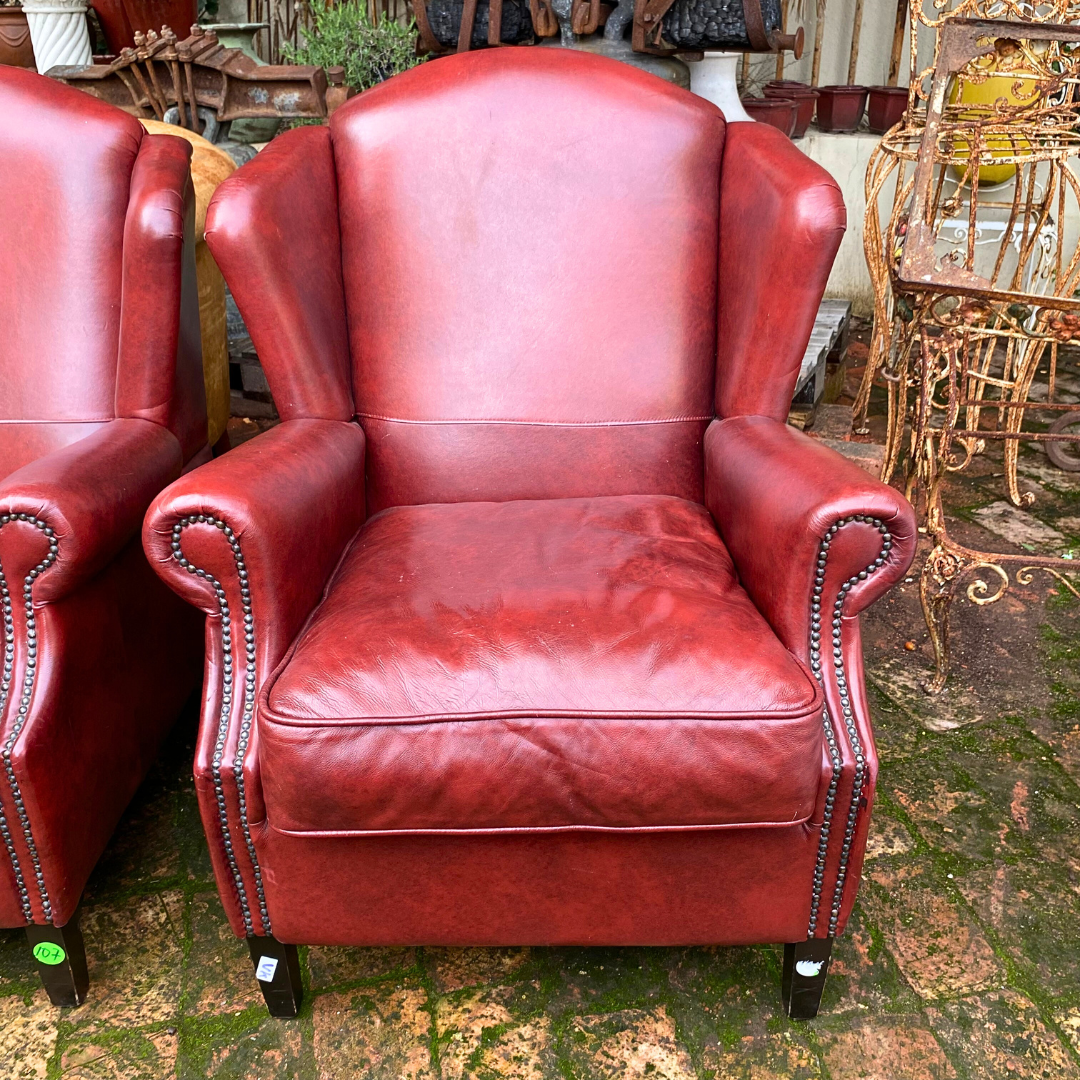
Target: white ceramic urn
59, 33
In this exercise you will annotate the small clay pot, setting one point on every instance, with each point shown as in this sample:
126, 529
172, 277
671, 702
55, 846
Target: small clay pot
788, 83
885, 107
840, 108
782, 113
807, 101
15, 46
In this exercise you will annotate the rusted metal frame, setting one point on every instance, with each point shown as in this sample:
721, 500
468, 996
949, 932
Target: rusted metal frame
545, 21
428, 41
755, 26
468, 18
647, 32
958, 44
585, 16
133, 67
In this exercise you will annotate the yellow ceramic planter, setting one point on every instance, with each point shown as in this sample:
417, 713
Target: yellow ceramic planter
1016, 88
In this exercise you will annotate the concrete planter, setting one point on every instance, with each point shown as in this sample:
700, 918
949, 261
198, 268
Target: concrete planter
59, 33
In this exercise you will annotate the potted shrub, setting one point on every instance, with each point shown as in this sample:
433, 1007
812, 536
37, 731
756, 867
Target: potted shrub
15, 46
344, 36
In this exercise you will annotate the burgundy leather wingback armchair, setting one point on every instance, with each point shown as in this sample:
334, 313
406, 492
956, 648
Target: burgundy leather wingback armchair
101, 406
532, 622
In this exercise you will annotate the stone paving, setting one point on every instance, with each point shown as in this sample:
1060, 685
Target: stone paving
962, 959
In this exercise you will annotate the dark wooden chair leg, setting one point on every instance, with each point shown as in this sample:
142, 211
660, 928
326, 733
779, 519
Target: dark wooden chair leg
61, 962
806, 964
277, 967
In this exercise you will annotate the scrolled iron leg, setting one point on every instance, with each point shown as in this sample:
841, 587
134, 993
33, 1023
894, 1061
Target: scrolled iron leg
277, 967
61, 962
806, 964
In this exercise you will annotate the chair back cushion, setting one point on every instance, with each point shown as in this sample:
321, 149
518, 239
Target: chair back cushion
65, 168
529, 247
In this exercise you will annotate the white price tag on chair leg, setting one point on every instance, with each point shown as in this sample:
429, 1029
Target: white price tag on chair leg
266, 968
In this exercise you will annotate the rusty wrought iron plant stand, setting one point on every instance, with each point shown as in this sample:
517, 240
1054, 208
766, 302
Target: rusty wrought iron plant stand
974, 283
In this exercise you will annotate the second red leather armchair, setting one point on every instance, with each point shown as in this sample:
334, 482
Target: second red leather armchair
532, 622
101, 406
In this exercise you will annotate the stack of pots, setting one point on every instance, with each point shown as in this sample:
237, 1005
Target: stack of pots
805, 98
780, 112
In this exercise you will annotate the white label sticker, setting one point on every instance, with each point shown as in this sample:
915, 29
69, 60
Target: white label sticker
265, 971
808, 968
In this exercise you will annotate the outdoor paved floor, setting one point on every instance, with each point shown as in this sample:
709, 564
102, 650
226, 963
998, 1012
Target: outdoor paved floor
962, 959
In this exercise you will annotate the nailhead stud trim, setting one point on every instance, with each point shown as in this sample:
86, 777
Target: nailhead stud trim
225, 714
849, 719
23, 713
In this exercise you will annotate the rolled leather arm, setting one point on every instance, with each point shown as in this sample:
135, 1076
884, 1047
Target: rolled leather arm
75, 509
291, 499
252, 538
815, 540
775, 495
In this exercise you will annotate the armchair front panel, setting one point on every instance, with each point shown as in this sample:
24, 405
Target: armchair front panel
504, 290
65, 164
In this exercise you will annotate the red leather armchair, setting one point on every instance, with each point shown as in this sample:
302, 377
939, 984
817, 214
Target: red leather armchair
532, 622
101, 406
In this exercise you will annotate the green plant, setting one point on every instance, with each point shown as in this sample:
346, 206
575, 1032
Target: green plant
344, 36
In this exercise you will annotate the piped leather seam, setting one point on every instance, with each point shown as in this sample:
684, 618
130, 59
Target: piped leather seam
545, 829
225, 713
846, 710
647, 422
22, 715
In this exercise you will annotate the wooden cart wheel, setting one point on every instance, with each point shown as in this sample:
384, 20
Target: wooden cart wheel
1065, 455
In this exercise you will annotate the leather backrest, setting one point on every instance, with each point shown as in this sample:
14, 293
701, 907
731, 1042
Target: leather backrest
529, 253
65, 169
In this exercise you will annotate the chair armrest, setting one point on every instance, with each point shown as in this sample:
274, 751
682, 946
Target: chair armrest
775, 495
252, 538
81, 504
815, 540
284, 505
272, 228
782, 218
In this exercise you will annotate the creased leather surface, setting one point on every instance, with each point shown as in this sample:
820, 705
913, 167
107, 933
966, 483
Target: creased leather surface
65, 165
492, 276
424, 463
587, 662
782, 219
740, 886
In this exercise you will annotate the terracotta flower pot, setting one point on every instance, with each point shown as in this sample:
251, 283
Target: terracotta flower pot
788, 83
15, 46
807, 100
782, 113
840, 108
885, 107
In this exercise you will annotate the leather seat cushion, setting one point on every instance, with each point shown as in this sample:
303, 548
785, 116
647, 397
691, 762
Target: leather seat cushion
538, 665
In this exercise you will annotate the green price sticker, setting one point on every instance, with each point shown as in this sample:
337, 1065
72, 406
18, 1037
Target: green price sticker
47, 953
